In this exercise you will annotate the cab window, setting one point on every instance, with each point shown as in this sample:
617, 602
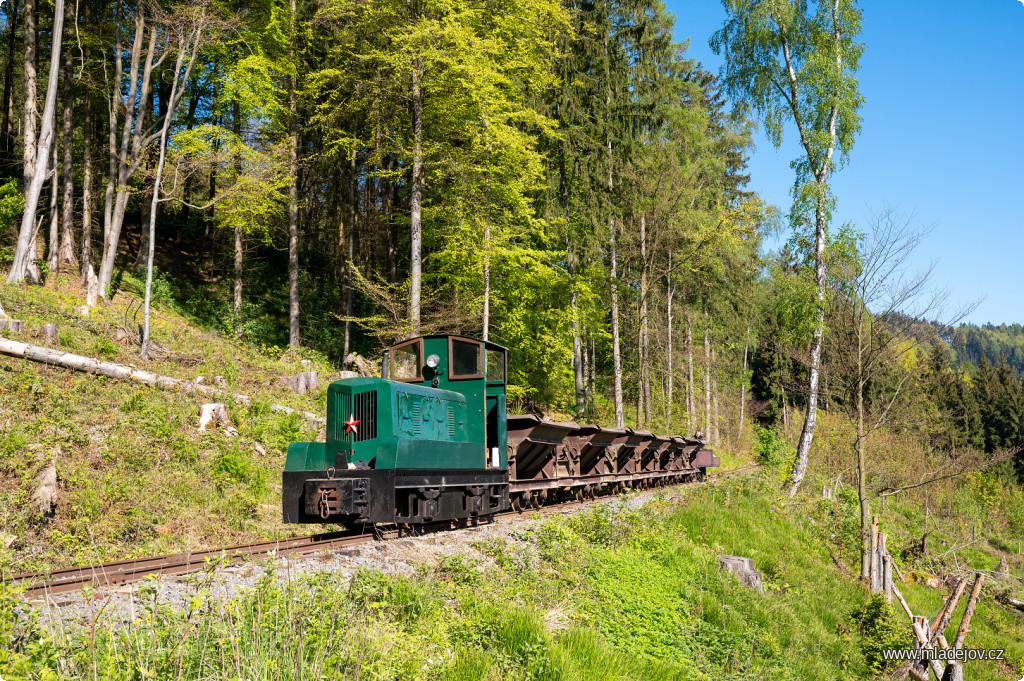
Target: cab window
465, 359
407, 361
495, 365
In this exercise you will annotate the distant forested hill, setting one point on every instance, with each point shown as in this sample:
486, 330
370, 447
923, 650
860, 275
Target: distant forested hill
971, 343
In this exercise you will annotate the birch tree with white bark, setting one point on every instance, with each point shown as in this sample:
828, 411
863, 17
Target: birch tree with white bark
796, 64
36, 171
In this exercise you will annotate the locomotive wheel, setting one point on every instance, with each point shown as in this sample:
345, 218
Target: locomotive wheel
535, 500
517, 505
579, 494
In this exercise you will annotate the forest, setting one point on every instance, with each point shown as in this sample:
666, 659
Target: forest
253, 187
559, 178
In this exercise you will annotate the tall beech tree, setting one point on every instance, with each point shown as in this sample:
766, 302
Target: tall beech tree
796, 63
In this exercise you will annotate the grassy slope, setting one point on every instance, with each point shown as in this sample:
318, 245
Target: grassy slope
633, 596
609, 594
135, 476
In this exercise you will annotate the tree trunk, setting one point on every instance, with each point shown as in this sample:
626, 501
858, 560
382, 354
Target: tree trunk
645, 341
239, 232
668, 373
807, 435
26, 235
89, 365
691, 406
86, 258
66, 255
6, 141
53, 242
862, 495
352, 213
31, 108
293, 202
487, 240
716, 422
620, 420
577, 347
24, 266
125, 162
196, 37
707, 387
593, 372
113, 95
415, 199
743, 387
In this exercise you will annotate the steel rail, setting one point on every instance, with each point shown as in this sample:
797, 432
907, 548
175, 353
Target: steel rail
54, 582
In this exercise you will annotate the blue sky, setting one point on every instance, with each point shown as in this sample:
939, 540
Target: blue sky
942, 137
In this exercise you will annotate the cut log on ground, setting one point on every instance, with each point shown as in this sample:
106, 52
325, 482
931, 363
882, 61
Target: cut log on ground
67, 360
1015, 602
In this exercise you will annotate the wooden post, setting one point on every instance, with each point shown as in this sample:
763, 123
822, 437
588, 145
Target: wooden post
965, 623
886, 571
946, 614
873, 572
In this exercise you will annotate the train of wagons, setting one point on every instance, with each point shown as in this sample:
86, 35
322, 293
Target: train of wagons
431, 441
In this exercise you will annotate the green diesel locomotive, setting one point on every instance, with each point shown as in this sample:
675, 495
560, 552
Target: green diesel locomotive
430, 441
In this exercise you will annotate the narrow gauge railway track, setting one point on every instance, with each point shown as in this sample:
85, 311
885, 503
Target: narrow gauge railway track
55, 582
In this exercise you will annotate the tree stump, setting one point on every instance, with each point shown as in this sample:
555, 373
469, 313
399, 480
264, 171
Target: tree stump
744, 570
12, 325
44, 498
48, 333
214, 415
301, 383
92, 287
346, 374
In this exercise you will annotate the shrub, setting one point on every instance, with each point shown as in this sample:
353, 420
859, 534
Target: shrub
771, 449
882, 629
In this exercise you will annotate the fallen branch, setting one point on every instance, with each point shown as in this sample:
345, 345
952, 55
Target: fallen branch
1015, 602
1006, 456
67, 360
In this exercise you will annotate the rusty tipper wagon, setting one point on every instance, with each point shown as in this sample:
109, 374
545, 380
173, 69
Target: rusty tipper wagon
430, 441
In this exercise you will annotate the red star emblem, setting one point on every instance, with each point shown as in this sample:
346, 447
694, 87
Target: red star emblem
350, 425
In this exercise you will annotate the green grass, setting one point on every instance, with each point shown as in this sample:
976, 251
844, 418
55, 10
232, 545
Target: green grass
134, 476
608, 594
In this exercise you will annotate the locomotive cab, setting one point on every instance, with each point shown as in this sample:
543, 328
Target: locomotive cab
473, 368
427, 441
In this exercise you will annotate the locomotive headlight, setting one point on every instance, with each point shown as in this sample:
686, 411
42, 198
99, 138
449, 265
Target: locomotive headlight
433, 361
